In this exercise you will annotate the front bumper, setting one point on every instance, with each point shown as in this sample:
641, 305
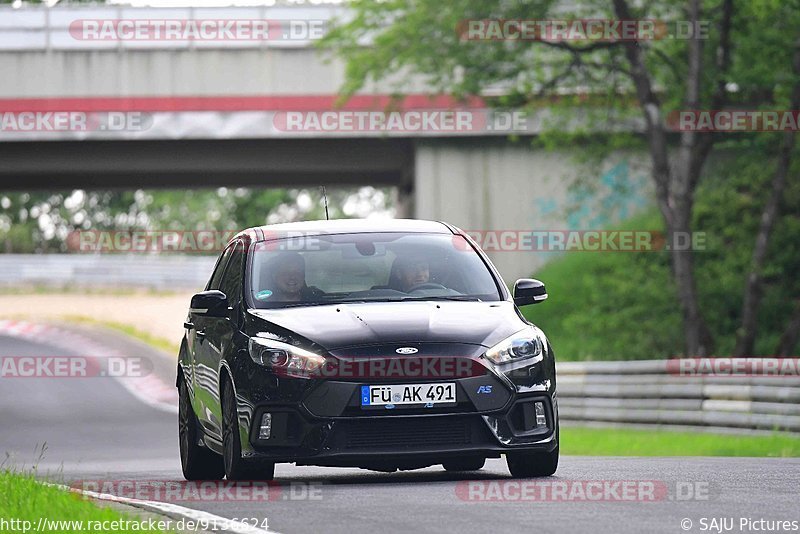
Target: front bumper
356, 440
399, 440
322, 422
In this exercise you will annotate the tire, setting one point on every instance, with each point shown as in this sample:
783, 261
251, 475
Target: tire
467, 463
197, 463
236, 467
532, 464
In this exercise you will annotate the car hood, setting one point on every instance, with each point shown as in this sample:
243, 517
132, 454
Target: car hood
349, 325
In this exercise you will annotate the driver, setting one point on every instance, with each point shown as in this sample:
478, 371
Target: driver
289, 279
413, 272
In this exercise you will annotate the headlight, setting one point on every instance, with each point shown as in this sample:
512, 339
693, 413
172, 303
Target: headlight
284, 358
523, 345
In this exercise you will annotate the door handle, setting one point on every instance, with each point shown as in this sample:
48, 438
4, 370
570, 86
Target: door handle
188, 326
200, 334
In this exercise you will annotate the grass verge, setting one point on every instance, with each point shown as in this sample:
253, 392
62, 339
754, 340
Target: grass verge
154, 341
25, 501
624, 442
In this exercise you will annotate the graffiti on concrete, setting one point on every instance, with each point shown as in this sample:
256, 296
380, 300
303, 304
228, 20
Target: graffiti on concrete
616, 195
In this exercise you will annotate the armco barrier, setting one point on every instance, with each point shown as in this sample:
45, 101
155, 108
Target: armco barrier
155, 271
648, 393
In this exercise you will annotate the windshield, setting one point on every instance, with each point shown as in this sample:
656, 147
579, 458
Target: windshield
329, 269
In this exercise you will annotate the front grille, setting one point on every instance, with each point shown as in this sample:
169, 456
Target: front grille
406, 432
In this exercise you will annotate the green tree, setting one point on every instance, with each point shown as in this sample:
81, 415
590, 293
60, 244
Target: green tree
744, 60
41, 221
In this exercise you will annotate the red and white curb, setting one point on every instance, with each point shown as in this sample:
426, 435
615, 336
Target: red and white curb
149, 389
172, 510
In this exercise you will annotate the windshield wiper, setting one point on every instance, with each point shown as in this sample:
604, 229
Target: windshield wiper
437, 297
300, 304
325, 303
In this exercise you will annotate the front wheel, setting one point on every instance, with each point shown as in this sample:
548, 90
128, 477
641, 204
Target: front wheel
197, 463
236, 467
532, 464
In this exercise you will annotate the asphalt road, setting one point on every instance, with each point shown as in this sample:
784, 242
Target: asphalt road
96, 430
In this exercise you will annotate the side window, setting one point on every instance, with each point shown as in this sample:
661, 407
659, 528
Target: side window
232, 280
216, 276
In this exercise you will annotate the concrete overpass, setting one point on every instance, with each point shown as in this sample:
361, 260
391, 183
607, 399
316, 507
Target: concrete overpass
154, 111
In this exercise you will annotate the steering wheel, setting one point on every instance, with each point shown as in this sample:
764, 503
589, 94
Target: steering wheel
426, 285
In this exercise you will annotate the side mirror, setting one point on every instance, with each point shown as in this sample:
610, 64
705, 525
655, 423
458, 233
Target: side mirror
529, 291
212, 303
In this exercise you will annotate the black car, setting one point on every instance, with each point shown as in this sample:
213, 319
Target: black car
381, 345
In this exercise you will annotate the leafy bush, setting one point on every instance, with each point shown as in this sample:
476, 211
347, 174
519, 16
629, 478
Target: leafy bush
622, 305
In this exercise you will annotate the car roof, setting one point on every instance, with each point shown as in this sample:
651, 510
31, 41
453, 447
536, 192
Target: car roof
348, 226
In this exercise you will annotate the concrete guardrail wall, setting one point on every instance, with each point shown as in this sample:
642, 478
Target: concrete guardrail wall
650, 392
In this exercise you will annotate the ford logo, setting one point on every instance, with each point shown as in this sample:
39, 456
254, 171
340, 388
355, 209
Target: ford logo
407, 350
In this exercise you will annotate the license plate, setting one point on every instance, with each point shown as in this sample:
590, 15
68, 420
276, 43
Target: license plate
401, 394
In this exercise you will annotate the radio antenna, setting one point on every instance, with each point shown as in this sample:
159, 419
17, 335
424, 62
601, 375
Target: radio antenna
325, 199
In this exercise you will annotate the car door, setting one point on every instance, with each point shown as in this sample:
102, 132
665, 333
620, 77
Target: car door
220, 331
204, 377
